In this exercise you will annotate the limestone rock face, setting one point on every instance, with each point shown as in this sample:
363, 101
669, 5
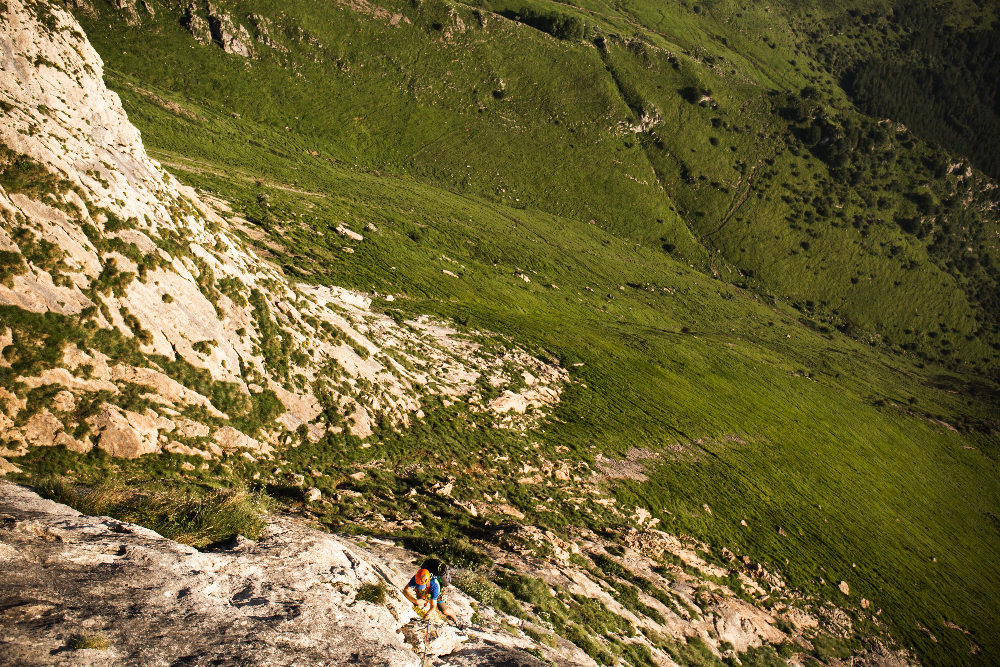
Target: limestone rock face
288, 599
121, 206
744, 625
127, 434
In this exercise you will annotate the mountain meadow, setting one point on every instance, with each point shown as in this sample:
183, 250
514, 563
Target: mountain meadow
762, 241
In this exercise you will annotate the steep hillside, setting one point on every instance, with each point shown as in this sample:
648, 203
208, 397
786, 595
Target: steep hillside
708, 134
117, 272
485, 279
299, 594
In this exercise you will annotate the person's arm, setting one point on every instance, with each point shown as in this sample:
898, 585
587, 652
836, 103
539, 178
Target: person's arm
413, 598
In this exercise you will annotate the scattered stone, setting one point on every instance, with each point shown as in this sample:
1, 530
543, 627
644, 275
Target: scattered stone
781, 531
358, 475
188, 428
443, 489
313, 494
347, 233
187, 466
864, 603
844, 588
177, 448
707, 508
926, 631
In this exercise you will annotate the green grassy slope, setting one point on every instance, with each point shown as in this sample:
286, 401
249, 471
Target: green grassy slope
857, 216
773, 350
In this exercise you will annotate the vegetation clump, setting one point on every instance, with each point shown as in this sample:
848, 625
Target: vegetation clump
199, 521
374, 593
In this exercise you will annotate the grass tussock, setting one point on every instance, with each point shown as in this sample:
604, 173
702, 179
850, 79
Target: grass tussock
198, 521
374, 593
99, 642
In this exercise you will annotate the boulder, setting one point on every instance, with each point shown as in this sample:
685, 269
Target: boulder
743, 625
64, 401
441, 639
188, 428
41, 429
6, 467
347, 233
231, 440
125, 433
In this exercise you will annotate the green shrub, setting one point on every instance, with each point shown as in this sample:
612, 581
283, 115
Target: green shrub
98, 642
765, 656
374, 593
455, 552
486, 592
609, 566
199, 521
11, 264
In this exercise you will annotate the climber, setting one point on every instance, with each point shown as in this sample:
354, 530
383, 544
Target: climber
425, 589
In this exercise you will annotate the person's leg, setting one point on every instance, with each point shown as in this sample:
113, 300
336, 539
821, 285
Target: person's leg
447, 611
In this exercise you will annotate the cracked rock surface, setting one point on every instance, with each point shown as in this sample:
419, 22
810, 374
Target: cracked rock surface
288, 599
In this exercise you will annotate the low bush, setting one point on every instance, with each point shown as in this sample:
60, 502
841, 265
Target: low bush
486, 592
455, 552
99, 642
374, 593
199, 521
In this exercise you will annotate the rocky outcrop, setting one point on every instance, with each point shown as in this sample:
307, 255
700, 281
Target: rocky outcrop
128, 434
196, 25
290, 598
298, 595
232, 36
264, 27
100, 234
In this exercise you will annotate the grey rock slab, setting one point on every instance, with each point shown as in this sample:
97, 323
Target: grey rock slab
285, 600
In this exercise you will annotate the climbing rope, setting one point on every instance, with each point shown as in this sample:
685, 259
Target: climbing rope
427, 637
